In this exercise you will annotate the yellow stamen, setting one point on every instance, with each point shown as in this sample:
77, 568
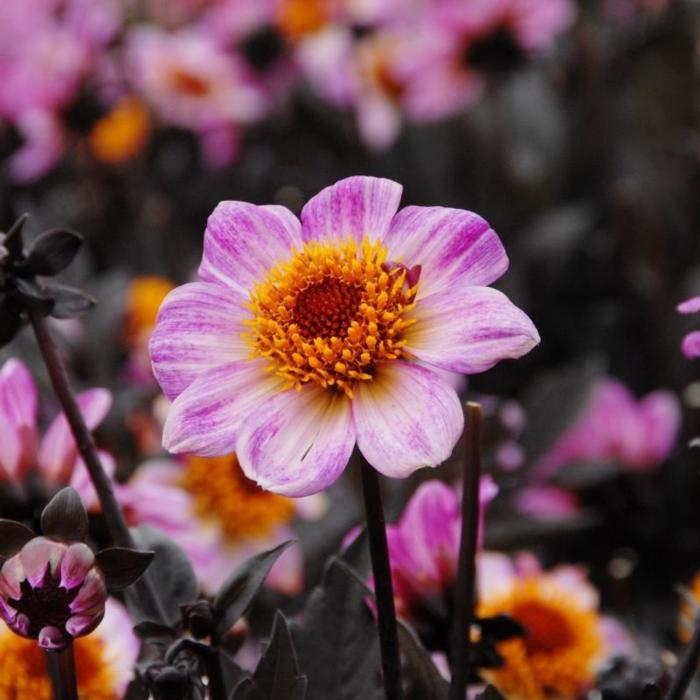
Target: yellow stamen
557, 656
23, 669
331, 313
121, 134
222, 492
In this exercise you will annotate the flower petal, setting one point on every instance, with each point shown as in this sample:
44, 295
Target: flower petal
199, 326
406, 418
691, 345
38, 556
18, 414
451, 246
660, 414
204, 419
243, 242
297, 443
51, 638
355, 207
689, 306
77, 561
469, 329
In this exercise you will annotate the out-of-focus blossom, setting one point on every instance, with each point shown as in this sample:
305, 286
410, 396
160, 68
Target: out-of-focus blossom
616, 427
43, 145
55, 458
547, 502
299, 339
566, 638
691, 342
122, 134
218, 516
690, 609
424, 544
52, 592
626, 12
190, 81
104, 661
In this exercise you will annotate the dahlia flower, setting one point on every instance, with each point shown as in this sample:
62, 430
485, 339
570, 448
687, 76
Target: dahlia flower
302, 339
616, 427
55, 457
104, 661
691, 342
566, 639
218, 517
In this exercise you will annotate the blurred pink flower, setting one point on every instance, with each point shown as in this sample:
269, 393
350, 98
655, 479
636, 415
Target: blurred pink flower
303, 338
424, 544
55, 457
616, 427
44, 145
219, 518
691, 342
546, 502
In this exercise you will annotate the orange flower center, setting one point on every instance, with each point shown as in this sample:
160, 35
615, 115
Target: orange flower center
298, 18
331, 313
221, 491
122, 133
188, 83
23, 669
143, 299
561, 647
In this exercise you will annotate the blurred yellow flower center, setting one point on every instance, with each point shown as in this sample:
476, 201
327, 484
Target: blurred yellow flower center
23, 669
143, 299
239, 505
331, 313
298, 18
557, 656
121, 134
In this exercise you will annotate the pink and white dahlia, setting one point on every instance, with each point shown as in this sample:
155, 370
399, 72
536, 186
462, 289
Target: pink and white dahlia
304, 338
55, 457
691, 342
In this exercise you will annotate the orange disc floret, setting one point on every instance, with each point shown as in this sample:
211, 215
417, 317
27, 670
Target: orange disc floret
563, 642
239, 505
23, 673
143, 299
331, 313
298, 18
121, 134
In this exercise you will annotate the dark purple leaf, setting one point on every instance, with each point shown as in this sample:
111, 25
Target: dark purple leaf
13, 238
122, 567
64, 518
51, 252
69, 302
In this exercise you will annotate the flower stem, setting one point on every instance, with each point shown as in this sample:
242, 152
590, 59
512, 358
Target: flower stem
217, 687
687, 667
114, 518
61, 669
384, 591
464, 599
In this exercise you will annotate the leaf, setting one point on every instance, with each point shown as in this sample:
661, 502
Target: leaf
10, 321
424, 680
13, 536
136, 691
277, 676
240, 588
336, 640
68, 301
490, 693
64, 518
122, 566
149, 629
30, 296
170, 572
13, 238
51, 252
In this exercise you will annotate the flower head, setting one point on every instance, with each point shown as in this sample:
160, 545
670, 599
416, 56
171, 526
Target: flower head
691, 342
304, 338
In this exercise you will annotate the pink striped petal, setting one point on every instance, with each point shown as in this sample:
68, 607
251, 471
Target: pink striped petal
406, 418
691, 345
58, 451
11, 577
355, 207
243, 242
469, 329
18, 416
77, 561
689, 306
451, 246
38, 556
297, 443
91, 596
205, 418
80, 625
199, 326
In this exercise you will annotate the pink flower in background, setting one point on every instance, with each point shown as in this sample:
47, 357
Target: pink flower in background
617, 427
44, 145
424, 544
55, 457
302, 339
547, 502
691, 342
218, 517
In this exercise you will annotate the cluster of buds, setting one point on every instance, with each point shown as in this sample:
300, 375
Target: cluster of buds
53, 588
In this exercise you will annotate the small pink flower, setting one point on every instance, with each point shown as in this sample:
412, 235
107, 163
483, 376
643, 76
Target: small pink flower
616, 427
547, 502
52, 592
691, 342
302, 339
56, 455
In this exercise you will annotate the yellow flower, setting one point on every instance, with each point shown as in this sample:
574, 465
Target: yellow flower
121, 134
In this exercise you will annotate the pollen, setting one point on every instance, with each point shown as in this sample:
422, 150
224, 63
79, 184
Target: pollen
558, 655
222, 492
331, 313
23, 669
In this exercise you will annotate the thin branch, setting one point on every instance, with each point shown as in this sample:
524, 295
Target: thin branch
60, 666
